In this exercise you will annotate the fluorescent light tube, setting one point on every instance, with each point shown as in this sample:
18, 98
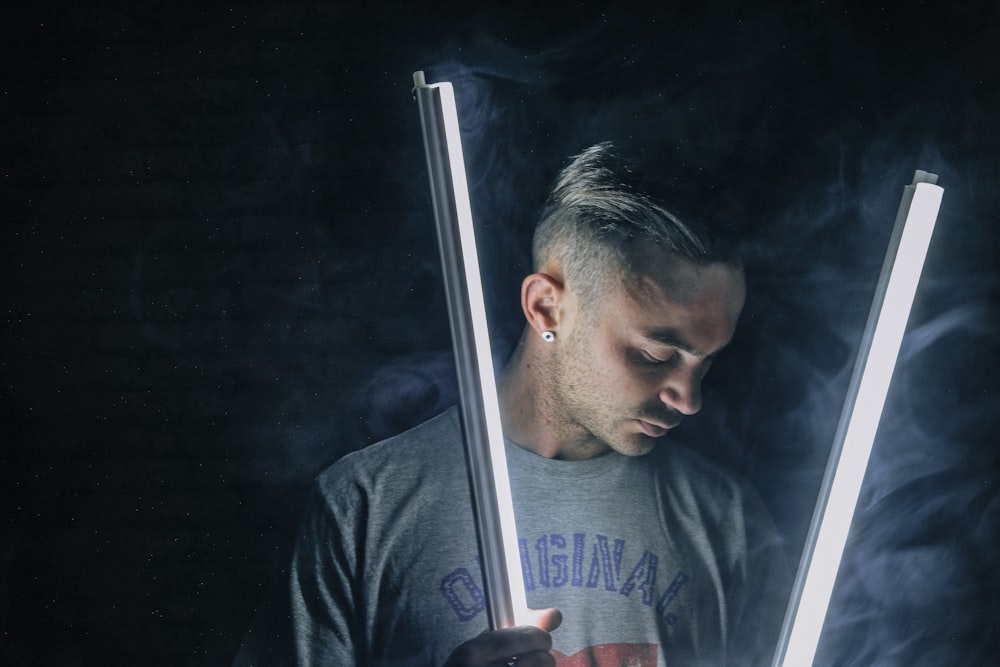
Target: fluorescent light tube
859, 421
493, 506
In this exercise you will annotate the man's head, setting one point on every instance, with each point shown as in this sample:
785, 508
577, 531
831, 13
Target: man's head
600, 218
640, 301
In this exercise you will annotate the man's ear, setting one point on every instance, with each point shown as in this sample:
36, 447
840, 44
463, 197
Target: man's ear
541, 300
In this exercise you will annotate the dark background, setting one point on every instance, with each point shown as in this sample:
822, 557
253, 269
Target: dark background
219, 275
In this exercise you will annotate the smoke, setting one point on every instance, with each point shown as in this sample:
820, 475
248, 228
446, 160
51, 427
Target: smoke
917, 581
814, 119
289, 260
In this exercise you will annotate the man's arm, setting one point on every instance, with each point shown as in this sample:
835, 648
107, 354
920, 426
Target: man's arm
326, 615
328, 619
765, 590
306, 615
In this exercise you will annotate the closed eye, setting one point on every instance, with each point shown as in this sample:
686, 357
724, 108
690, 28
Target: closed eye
657, 360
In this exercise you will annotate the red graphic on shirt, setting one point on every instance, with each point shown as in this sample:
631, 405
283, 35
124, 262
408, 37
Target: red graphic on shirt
610, 655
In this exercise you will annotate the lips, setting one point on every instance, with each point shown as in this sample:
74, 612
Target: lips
653, 430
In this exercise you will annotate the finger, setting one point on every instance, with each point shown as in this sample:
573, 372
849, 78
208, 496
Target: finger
535, 659
546, 619
515, 641
497, 646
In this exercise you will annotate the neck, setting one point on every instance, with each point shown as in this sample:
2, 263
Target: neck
530, 417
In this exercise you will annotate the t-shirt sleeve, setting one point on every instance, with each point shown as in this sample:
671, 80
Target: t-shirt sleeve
309, 615
758, 615
325, 605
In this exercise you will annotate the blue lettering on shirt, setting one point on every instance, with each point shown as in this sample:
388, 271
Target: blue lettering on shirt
643, 577
601, 563
668, 596
557, 562
560, 562
529, 579
542, 549
578, 539
463, 594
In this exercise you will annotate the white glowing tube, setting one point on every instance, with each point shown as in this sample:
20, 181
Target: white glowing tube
492, 502
859, 421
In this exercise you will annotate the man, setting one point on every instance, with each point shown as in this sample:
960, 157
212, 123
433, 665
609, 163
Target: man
650, 554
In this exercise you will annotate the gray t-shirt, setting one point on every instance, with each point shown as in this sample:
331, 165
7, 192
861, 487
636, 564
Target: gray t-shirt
664, 559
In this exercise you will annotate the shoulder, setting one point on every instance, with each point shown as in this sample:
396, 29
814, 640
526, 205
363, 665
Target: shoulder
694, 478
430, 449
681, 460
720, 506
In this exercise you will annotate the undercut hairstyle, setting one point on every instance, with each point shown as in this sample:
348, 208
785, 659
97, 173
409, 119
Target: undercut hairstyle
601, 214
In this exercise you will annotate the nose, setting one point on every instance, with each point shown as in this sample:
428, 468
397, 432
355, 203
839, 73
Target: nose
682, 390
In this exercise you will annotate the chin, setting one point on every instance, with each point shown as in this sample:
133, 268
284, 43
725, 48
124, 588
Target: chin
636, 445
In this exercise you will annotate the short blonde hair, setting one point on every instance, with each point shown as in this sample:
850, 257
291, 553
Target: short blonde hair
597, 219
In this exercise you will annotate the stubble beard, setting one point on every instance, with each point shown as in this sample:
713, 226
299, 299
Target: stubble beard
589, 422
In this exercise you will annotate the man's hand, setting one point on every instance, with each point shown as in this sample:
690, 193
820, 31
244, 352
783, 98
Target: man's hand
523, 646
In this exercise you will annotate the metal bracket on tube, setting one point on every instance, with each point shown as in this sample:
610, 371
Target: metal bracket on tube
480, 409
838, 496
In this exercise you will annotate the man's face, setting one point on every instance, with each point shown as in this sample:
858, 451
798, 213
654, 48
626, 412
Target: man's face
631, 365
